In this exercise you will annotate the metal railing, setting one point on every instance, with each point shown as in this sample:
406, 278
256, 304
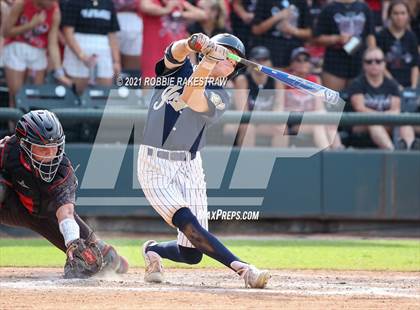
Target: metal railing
259, 117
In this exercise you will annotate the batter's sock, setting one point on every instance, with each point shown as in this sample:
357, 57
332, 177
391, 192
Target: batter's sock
201, 238
177, 253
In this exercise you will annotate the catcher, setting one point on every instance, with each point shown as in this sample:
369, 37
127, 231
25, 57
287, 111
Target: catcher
38, 191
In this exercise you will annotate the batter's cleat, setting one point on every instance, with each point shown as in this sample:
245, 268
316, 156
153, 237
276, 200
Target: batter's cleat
153, 263
253, 277
113, 261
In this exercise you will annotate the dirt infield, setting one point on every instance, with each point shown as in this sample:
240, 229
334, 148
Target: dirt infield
43, 288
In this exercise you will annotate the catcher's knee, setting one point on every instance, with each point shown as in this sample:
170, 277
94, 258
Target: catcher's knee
190, 256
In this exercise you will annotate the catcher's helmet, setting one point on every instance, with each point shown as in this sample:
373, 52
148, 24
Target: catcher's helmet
41, 128
230, 41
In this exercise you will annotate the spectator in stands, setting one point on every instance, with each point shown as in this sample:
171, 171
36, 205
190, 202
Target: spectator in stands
315, 8
255, 91
5, 7
374, 92
298, 101
281, 26
376, 7
164, 22
316, 51
415, 18
31, 33
243, 12
399, 45
214, 24
344, 27
130, 35
90, 29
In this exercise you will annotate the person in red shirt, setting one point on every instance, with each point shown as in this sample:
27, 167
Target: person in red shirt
130, 36
164, 22
31, 33
297, 101
5, 7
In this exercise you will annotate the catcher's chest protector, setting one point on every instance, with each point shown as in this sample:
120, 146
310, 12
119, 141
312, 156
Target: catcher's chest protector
33, 193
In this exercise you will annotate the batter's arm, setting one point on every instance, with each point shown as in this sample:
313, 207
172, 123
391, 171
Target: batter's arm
193, 94
11, 29
176, 54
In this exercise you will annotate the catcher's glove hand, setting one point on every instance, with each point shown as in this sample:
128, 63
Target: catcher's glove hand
84, 259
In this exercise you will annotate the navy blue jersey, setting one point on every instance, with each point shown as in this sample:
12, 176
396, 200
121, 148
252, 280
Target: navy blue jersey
180, 129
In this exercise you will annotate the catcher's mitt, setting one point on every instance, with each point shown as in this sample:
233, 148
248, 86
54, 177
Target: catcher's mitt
84, 259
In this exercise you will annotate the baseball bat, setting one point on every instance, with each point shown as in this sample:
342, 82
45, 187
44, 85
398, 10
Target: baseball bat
328, 95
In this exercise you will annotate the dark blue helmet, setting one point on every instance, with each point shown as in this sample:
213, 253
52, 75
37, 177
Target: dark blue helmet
230, 41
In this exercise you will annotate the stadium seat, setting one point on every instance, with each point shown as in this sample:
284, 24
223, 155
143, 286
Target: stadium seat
410, 101
4, 90
48, 96
97, 97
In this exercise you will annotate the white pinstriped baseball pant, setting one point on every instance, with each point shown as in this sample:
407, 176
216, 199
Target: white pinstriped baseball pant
170, 185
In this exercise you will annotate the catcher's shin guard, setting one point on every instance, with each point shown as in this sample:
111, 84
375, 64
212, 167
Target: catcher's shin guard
112, 261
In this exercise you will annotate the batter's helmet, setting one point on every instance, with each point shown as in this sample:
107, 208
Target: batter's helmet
41, 128
230, 41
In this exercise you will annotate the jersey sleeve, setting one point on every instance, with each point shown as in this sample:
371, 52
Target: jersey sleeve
184, 70
262, 12
324, 23
63, 190
115, 26
217, 100
305, 19
356, 87
392, 88
370, 24
413, 49
70, 13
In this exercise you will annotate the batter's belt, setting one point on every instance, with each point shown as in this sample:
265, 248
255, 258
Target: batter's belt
171, 155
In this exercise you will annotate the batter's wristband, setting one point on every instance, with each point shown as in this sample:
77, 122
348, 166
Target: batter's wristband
170, 57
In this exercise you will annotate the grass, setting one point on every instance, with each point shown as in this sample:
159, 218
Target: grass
391, 255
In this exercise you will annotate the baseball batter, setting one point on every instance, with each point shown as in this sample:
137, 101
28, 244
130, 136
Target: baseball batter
169, 162
38, 192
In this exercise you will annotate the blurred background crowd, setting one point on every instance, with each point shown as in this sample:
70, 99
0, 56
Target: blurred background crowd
366, 50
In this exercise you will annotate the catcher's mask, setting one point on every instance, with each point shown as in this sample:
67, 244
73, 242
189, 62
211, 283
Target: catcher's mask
41, 129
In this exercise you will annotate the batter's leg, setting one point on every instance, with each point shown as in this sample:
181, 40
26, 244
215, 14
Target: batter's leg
204, 241
175, 252
211, 246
